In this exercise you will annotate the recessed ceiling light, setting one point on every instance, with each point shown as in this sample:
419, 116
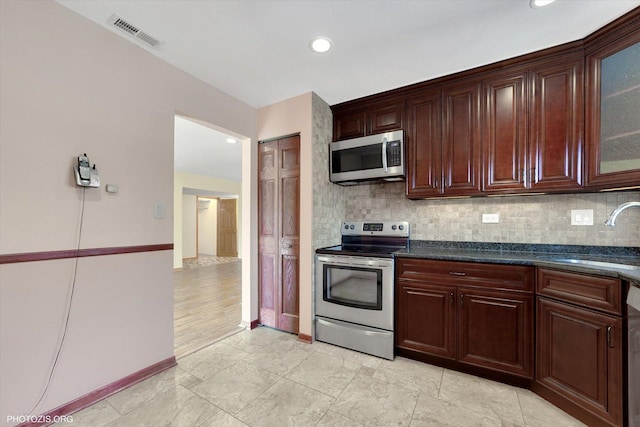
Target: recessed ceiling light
320, 44
232, 140
540, 3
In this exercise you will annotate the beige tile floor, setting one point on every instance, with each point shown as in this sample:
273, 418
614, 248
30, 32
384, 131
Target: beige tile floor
268, 378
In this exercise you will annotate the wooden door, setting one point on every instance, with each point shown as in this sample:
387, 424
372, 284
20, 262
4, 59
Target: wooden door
279, 233
495, 330
461, 147
424, 145
579, 361
505, 133
227, 228
425, 318
556, 117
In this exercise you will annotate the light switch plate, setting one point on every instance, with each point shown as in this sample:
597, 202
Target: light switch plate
490, 218
582, 217
159, 210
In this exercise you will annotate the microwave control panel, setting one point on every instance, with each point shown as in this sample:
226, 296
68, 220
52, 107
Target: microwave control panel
394, 153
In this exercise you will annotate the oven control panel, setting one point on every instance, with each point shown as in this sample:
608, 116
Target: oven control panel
375, 228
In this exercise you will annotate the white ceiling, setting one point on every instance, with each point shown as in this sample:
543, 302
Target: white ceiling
204, 151
257, 50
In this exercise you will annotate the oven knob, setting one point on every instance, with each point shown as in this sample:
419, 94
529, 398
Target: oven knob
346, 226
401, 227
352, 226
393, 227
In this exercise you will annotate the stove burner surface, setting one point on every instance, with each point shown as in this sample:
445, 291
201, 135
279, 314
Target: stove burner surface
361, 250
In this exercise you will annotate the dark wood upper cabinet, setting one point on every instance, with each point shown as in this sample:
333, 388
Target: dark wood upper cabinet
461, 143
385, 117
368, 119
556, 117
505, 133
613, 109
533, 127
423, 140
443, 141
350, 124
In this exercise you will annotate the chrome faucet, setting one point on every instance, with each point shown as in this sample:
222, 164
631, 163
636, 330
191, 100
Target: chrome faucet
611, 221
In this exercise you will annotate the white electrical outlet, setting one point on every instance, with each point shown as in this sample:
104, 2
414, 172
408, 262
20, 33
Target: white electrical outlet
581, 216
490, 218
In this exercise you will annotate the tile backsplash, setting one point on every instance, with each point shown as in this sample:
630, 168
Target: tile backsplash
522, 219
328, 199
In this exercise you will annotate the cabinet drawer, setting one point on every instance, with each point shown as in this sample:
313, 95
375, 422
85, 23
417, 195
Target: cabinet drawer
597, 292
517, 277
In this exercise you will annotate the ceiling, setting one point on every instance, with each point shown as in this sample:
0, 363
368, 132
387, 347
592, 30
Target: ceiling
204, 151
257, 50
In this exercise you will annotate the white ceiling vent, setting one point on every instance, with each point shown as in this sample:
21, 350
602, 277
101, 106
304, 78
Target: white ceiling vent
134, 31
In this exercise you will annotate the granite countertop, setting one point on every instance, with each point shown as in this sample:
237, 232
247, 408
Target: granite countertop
567, 257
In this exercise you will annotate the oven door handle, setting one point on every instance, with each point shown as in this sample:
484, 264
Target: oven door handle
354, 263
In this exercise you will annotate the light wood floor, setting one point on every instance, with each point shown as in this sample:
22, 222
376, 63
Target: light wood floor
207, 305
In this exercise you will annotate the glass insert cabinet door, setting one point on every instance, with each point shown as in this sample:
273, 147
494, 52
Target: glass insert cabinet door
613, 115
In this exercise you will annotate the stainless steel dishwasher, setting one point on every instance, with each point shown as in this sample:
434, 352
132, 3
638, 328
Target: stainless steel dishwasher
633, 300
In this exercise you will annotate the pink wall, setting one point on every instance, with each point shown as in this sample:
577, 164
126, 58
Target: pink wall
69, 86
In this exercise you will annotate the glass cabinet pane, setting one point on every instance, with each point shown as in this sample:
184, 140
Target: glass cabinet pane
620, 111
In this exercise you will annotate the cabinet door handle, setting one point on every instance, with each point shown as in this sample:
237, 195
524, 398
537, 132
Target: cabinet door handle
522, 175
457, 273
453, 299
437, 183
286, 246
444, 182
461, 300
609, 336
532, 173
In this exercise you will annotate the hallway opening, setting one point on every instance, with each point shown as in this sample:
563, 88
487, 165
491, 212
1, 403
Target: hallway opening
207, 235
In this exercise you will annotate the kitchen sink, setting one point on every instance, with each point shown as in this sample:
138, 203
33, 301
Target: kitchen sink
588, 263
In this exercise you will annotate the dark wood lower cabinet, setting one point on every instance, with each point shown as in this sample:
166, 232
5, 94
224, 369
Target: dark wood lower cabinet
426, 319
495, 330
579, 361
460, 314
479, 318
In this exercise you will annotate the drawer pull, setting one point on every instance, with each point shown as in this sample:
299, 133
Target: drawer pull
457, 273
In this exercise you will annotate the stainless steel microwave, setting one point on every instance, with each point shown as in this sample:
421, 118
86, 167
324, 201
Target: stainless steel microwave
369, 158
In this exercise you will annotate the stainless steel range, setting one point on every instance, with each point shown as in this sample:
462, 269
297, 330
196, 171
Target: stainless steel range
355, 287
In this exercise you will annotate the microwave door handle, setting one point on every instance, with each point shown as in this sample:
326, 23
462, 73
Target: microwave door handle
384, 155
